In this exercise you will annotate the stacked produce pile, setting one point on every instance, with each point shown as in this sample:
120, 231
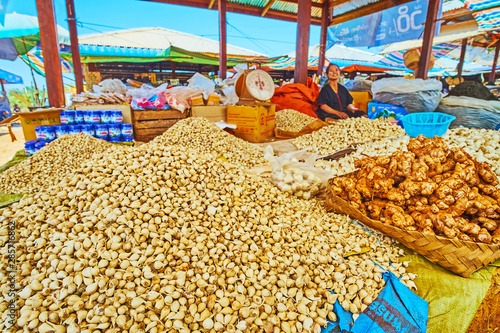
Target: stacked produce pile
202, 135
159, 238
343, 133
52, 163
430, 188
472, 89
482, 144
292, 121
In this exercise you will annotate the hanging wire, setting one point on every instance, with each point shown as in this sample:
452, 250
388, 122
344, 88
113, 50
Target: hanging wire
261, 46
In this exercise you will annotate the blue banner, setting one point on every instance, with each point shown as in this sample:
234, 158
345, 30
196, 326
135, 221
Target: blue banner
396, 24
358, 32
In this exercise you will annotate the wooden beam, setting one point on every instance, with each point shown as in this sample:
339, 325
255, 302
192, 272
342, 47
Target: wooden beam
222, 39
266, 7
50, 51
462, 58
366, 10
3, 86
325, 19
210, 5
430, 27
240, 9
453, 14
75, 52
495, 61
302, 47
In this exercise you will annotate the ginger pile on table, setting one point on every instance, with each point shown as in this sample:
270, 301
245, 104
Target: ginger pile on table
430, 188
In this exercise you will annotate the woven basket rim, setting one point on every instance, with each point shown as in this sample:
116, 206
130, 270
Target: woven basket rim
394, 232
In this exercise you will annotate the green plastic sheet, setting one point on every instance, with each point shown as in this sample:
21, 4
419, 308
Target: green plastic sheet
18, 157
453, 300
7, 199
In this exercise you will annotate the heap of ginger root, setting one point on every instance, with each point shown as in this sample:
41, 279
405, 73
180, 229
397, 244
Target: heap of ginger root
430, 188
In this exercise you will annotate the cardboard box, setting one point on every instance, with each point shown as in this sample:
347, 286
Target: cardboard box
197, 100
380, 110
29, 120
213, 99
212, 113
124, 108
361, 99
255, 123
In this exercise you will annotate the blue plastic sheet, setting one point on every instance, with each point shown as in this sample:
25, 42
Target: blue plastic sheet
396, 310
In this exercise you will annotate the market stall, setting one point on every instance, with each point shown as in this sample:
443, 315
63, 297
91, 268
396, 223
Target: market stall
179, 226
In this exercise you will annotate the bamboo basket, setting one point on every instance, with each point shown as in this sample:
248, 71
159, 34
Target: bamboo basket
460, 257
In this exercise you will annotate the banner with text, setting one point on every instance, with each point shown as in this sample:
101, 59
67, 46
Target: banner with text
396, 24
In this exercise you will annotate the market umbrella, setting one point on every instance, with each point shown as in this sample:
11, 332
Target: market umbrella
20, 33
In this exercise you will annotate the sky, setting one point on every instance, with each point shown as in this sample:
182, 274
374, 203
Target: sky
268, 36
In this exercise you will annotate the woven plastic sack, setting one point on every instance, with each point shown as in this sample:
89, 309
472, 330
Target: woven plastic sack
298, 97
358, 84
396, 309
414, 95
309, 128
471, 112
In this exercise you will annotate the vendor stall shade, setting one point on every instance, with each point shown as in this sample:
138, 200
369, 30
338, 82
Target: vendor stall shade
35, 60
488, 19
20, 33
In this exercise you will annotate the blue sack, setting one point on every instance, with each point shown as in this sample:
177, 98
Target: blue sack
396, 310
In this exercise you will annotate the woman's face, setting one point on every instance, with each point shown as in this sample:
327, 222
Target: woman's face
333, 73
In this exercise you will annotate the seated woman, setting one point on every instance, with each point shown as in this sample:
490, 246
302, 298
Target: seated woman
334, 100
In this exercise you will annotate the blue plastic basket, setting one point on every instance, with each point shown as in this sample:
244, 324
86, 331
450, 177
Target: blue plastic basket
429, 124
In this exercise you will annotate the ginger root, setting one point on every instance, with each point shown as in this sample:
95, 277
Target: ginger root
430, 188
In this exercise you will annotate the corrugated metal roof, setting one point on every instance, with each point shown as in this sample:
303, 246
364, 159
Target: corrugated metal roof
161, 38
351, 5
281, 6
449, 5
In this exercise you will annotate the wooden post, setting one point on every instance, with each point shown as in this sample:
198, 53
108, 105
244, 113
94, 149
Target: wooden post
462, 57
495, 60
430, 27
3, 87
325, 22
302, 47
75, 52
222, 39
172, 67
50, 51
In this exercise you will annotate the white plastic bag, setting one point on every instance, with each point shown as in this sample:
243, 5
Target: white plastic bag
399, 85
240, 68
295, 174
110, 86
202, 82
230, 93
471, 112
414, 95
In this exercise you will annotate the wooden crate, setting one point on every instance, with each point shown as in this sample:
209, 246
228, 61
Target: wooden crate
149, 124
